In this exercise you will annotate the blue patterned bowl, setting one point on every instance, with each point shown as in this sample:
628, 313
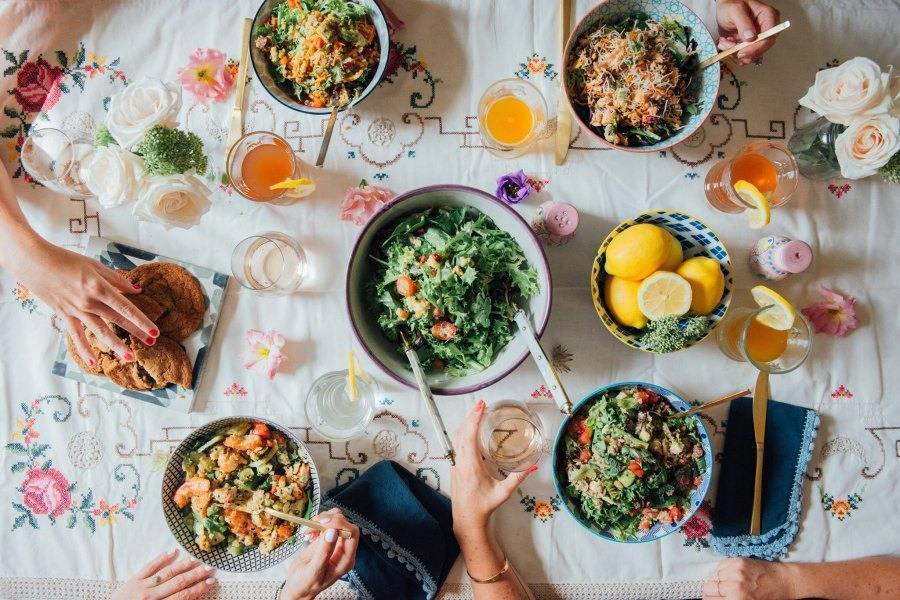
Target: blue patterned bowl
696, 240
706, 83
659, 530
218, 557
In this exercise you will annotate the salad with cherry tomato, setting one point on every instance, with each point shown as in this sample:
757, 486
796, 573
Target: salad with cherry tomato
628, 465
449, 279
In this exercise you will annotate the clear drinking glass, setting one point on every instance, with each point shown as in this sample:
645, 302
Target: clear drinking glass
512, 115
54, 159
768, 165
511, 436
764, 351
333, 413
258, 160
270, 263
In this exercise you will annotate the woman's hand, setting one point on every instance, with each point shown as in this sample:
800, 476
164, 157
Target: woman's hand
742, 21
162, 578
748, 579
324, 561
474, 492
82, 291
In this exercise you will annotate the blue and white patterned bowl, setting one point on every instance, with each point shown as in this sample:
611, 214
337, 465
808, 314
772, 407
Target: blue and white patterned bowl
218, 557
696, 240
659, 530
707, 85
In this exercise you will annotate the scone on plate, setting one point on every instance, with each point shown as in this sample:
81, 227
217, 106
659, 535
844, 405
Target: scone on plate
172, 296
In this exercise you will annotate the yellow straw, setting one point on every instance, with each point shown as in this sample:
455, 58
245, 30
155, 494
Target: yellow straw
351, 374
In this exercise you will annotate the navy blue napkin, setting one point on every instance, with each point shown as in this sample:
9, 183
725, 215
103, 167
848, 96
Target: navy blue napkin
407, 546
790, 435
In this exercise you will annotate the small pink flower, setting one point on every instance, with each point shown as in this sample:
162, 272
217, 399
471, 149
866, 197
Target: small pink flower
264, 351
835, 315
35, 403
207, 76
132, 503
362, 202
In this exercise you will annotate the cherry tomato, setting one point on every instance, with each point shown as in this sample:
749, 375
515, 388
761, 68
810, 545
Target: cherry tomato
585, 455
406, 287
676, 513
437, 364
260, 429
575, 427
444, 330
635, 467
584, 438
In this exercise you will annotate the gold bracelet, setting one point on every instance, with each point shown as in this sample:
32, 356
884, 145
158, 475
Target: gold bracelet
496, 577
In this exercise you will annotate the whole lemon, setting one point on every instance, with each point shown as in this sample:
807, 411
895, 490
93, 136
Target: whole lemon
638, 251
707, 283
621, 297
676, 254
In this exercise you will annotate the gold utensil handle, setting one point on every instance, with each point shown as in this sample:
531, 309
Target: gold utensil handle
563, 116
738, 47
237, 113
756, 515
711, 404
326, 139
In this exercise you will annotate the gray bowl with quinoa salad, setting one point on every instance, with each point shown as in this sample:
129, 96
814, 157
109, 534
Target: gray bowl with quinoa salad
311, 55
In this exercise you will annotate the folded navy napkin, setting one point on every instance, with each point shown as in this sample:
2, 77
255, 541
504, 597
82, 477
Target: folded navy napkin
407, 546
790, 435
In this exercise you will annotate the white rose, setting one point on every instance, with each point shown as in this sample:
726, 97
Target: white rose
172, 200
867, 145
140, 106
113, 174
856, 88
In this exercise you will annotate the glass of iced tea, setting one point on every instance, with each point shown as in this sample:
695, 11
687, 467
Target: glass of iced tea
512, 115
511, 436
768, 166
742, 337
55, 159
259, 160
269, 263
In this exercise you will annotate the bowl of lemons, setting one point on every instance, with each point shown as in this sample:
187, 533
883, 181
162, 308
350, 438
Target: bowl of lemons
661, 282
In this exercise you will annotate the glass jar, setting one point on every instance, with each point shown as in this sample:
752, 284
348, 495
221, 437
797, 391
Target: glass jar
813, 147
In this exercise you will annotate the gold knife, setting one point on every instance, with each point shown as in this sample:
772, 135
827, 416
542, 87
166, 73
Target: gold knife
760, 406
563, 116
236, 127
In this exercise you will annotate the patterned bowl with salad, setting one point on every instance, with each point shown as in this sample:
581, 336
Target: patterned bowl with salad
222, 485
626, 471
311, 55
447, 266
631, 73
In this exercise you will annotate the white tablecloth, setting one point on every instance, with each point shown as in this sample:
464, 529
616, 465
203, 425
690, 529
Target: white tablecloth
416, 130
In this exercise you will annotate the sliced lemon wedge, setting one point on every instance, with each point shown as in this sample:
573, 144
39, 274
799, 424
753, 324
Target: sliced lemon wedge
758, 211
780, 316
664, 294
297, 188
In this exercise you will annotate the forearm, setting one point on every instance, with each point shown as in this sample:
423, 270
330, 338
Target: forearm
872, 578
484, 558
17, 238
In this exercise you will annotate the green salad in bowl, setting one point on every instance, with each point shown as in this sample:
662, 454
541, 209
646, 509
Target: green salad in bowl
450, 280
626, 468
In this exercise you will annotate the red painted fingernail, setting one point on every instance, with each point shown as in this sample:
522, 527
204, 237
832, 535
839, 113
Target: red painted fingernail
150, 341
136, 287
154, 332
480, 406
129, 356
91, 362
531, 469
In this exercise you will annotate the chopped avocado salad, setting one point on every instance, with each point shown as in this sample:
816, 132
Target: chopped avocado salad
232, 477
450, 281
628, 466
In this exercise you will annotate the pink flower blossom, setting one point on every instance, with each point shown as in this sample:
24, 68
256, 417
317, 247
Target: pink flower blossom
361, 203
264, 351
835, 315
46, 492
206, 76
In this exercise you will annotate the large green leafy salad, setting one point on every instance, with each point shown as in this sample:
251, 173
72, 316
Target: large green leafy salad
629, 466
450, 281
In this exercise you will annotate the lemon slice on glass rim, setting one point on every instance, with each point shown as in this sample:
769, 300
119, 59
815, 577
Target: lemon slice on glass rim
296, 188
780, 315
758, 211
664, 294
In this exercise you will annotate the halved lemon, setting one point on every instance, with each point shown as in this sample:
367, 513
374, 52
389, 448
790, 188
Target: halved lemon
297, 188
758, 211
663, 294
780, 316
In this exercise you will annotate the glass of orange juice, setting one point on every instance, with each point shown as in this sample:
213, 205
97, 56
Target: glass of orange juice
512, 115
259, 160
768, 165
745, 339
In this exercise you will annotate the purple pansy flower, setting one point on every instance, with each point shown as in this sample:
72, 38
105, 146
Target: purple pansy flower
512, 188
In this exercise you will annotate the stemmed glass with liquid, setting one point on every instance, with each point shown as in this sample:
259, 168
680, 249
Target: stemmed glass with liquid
269, 263
511, 436
55, 159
